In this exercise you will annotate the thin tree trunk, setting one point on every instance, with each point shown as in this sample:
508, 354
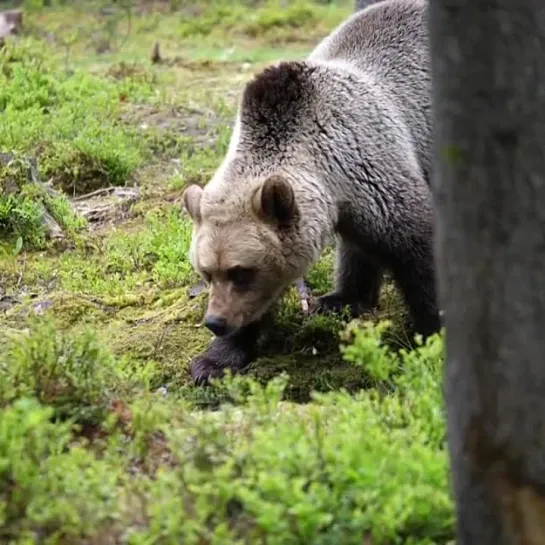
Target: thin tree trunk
489, 98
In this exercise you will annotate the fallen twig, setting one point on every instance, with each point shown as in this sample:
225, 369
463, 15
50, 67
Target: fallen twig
51, 226
101, 191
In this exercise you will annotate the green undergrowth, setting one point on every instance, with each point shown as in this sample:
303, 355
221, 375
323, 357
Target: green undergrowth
132, 288
67, 120
119, 266
90, 454
109, 27
270, 20
24, 205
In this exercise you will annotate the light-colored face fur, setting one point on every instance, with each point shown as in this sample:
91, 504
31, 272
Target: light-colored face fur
263, 219
240, 246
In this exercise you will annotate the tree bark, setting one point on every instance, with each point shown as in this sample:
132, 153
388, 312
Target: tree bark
488, 59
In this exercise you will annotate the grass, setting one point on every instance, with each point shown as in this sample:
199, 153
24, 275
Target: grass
68, 121
332, 436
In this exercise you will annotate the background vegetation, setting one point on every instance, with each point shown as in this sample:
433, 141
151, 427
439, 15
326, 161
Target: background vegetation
332, 438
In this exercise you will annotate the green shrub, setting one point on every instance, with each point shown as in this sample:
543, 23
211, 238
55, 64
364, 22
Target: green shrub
271, 19
21, 217
70, 372
294, 16
339, 469
259, 470
49, 491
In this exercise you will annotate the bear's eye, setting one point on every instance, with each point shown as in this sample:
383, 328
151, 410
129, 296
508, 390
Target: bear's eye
242, 277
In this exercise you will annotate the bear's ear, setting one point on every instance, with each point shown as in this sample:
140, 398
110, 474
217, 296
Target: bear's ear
274, 201
192, 201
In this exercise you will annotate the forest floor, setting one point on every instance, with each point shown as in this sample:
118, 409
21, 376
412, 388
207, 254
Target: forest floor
103, 437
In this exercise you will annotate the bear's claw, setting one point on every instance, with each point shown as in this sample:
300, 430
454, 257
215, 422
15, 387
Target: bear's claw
222, 354
204, 369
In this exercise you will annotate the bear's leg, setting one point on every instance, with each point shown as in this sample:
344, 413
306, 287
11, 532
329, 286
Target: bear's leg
234, 352
357, 283
414, 273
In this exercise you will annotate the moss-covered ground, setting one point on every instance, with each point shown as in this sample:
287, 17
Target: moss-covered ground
102, 435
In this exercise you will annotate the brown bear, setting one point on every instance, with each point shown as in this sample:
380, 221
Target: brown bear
337, 145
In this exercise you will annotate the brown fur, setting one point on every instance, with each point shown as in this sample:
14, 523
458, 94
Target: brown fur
266, 229
338, 146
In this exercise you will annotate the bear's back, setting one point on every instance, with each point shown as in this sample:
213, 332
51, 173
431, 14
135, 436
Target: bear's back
387, 44
389, 38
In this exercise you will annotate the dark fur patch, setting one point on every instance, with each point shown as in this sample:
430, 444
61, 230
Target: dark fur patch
275, 99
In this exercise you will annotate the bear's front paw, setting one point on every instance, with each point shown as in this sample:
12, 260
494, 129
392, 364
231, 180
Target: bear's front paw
203, 369
338, 303
221, 355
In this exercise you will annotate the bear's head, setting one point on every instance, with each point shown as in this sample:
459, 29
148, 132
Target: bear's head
246, 248
260, 223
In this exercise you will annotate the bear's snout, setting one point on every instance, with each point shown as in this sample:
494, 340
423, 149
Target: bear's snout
216, 324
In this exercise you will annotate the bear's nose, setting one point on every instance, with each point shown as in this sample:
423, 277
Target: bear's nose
216, 324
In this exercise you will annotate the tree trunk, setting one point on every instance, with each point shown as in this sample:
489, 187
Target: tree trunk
488, 61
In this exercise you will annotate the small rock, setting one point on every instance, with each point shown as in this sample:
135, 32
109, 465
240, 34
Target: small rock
40, 308
197, 289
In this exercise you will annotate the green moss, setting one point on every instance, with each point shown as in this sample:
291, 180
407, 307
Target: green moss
308, 374
169, 336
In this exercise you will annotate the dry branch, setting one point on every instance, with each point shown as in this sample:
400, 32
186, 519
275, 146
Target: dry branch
12, 186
